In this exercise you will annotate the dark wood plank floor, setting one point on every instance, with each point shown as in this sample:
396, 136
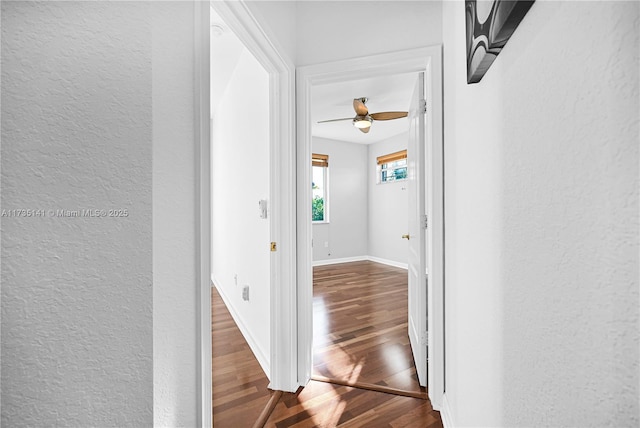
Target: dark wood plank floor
360, 325
240, 392
325, 405
239, 385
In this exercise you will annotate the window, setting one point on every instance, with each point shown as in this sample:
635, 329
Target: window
392, 167
320, 165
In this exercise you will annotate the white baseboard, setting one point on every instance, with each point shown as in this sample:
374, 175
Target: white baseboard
388, 262
445, 413
341, 260
360, 259
253, 345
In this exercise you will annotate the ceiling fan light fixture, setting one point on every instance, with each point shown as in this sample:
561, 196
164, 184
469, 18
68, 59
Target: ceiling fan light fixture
362, 121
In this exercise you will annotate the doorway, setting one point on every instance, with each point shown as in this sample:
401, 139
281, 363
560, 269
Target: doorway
360, 215
240, 220
427, 60
279, 361
290, 324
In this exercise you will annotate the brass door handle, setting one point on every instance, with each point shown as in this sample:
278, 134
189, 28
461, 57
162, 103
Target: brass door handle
406, 237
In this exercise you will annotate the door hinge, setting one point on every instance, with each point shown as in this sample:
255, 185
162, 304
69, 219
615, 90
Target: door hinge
423, 106
425, 222
273, 246
424, 338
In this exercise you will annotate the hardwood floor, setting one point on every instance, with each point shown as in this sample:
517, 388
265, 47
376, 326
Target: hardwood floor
240, 390
241, 396
360, 325
326, 405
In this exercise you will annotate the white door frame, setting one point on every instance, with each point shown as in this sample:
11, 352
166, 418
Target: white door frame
202, 132
282, 209
429, 60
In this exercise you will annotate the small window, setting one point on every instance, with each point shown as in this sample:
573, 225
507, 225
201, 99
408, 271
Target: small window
319, 188
392, 167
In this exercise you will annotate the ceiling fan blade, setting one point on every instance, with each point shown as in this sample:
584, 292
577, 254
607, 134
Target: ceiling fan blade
359, 107
335, 120
389, 115
365, 130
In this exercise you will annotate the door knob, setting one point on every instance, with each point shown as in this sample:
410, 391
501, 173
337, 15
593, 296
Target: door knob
406, 237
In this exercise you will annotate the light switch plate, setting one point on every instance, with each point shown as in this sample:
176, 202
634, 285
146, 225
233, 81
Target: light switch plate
262, 204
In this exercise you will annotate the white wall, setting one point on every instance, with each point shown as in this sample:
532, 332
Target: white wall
278, 21
388, 206
240, 178
301, 29
174, 242
109, 123
346, 232
366, 219
77, 292
542, 221
225, 50
332, 30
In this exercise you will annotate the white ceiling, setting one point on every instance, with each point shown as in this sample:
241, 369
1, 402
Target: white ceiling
334, 101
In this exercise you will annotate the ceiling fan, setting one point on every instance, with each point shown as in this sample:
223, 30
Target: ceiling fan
363, 119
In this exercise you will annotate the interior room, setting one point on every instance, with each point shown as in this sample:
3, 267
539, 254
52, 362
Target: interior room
117, 213
359, 256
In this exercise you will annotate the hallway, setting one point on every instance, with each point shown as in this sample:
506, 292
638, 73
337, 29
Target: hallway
241, 396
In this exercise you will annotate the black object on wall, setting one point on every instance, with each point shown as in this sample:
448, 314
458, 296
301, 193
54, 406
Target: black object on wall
489, 26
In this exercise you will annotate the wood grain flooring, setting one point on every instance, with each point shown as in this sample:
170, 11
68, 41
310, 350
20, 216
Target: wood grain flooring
360, 325
240, 390
325, 405
240, 393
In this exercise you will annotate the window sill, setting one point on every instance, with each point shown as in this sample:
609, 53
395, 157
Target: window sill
390, 182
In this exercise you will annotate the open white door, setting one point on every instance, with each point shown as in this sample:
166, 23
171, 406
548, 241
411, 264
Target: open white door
417, 226
427, 137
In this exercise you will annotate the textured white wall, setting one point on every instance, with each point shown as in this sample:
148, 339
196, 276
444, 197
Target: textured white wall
240, 178
346, 231
388, 206
542, 221
76, 292
174, 257
334, 30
